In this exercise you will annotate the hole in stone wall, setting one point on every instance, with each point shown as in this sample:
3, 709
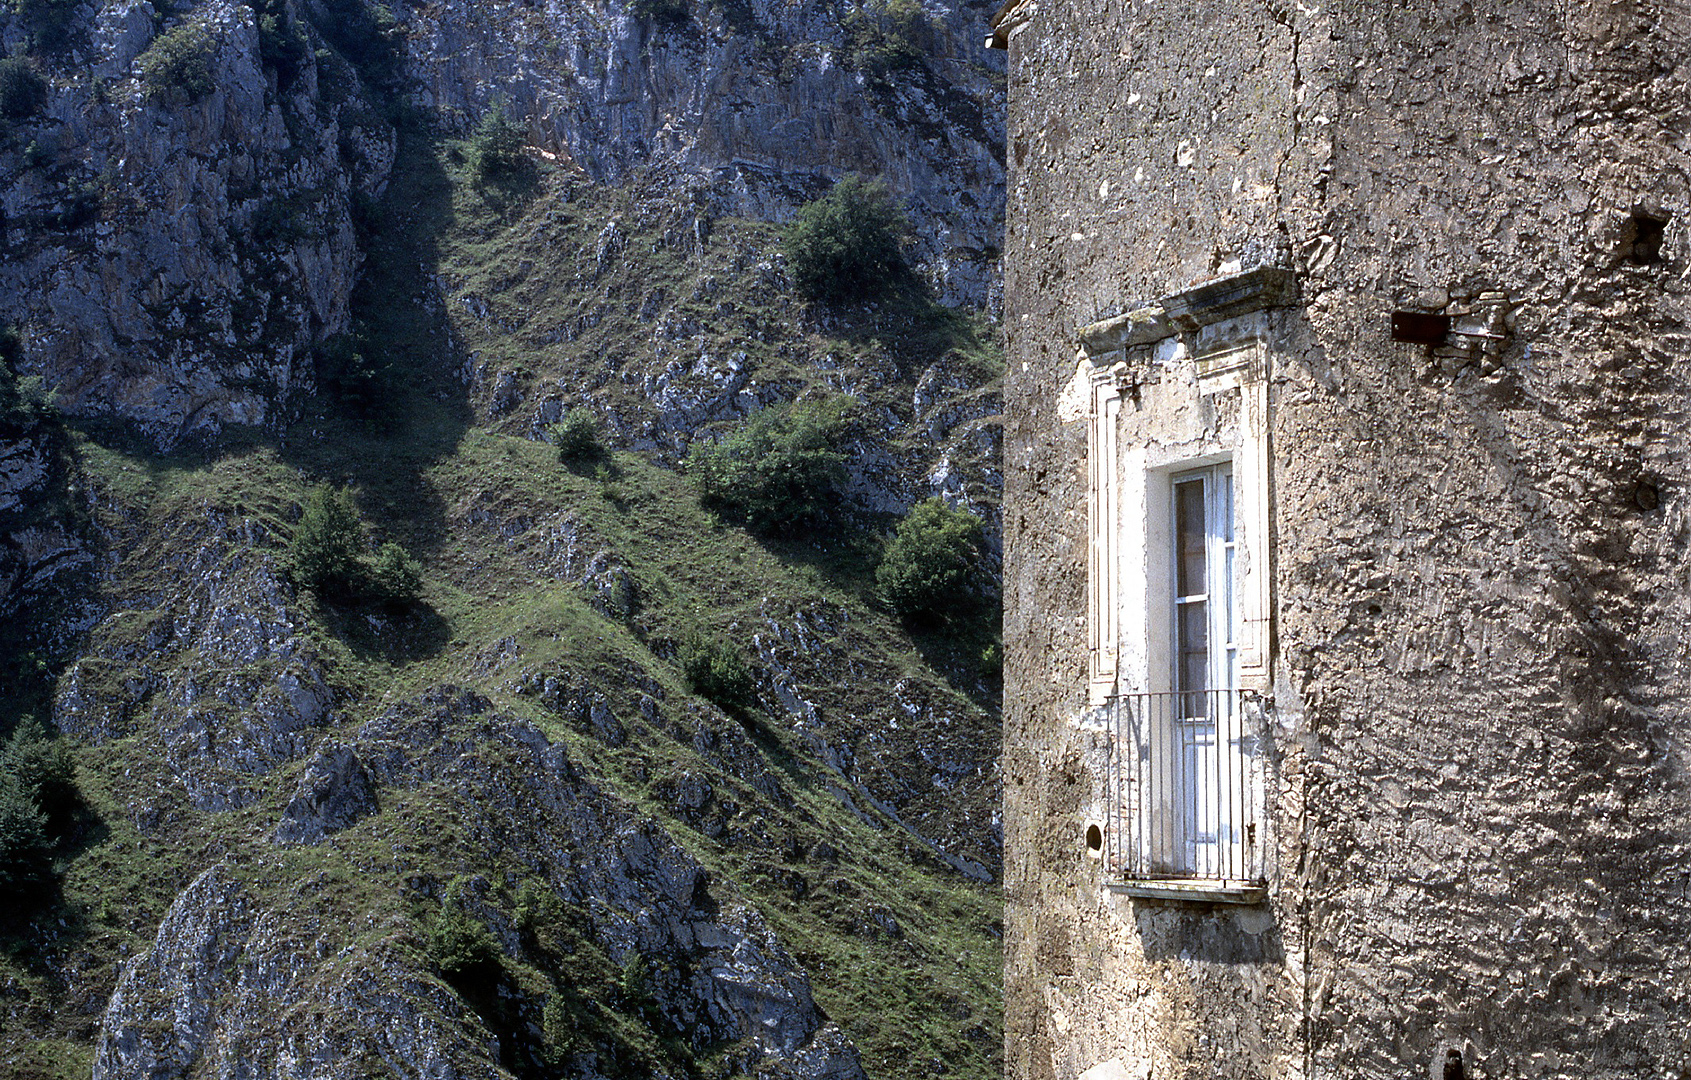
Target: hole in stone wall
1453, 1069
1641, 241
1094, 839
1646, 494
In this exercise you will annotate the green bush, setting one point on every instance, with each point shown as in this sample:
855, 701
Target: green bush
884, 36
715, 670
396, 579
499, 148
780, 471
323, 554
576, 436
661, 12
847, 245
44, 766
23, 92
459, 944
38, 801
932, 558
24, 861
26, 401
282, 42
177, 65
326, 554
49, 21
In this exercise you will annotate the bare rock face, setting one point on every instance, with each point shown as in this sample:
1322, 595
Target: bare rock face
216, 665
172, 261
753, 106
213, 996
233, 968
334, 792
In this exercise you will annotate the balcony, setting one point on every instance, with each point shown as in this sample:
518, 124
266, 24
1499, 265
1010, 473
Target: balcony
1183, 797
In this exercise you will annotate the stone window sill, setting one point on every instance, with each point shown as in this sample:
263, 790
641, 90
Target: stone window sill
1194, 892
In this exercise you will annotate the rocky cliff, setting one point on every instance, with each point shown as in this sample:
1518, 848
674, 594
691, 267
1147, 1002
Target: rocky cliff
179, 248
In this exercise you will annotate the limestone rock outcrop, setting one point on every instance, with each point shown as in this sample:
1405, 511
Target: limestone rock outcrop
172, 260
229, 973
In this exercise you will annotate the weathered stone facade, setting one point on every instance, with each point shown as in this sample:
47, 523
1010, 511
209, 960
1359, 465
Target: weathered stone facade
1474, 734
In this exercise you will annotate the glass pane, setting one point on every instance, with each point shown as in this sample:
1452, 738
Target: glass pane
1189, 538
1194, 637
1227, 507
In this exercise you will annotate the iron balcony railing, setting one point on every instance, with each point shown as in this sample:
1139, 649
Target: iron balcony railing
1183, 798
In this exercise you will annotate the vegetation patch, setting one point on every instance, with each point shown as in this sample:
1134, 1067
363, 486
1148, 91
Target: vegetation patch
781, 471
23, 92
177, 66
932, 561
848, 245
884, 36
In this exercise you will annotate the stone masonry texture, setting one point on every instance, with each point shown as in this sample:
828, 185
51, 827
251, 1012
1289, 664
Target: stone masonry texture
1481, 587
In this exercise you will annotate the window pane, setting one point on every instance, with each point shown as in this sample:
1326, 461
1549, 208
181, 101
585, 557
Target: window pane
1193, 632
1189, 538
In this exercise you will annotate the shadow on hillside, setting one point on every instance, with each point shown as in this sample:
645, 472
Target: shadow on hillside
374, 634
404, 406
914, 328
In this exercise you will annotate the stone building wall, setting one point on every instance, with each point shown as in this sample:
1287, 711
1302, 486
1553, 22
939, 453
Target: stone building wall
1478, 778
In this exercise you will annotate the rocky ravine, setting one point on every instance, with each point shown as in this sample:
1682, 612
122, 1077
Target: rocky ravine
173, 262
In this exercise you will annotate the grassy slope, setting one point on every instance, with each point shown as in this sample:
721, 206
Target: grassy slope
903, 952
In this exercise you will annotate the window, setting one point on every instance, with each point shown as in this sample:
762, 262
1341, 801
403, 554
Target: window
1183, 774
1180, 618
1206, 642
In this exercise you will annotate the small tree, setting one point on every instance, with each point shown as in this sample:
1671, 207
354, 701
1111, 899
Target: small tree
847, 245
43, 765
460, 945
576, 435
23, 837
178, 62
928, 565
499, 147
780, 471
395, 580
324, 552
715, 670
23, 92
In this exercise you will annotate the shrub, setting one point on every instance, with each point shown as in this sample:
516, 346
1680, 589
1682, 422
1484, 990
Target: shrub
49, 21
715, 670
459, 944
23, 92
576, 436
282, 43
24, 860
498, 149
847, 244
779, 472
661, 12
178, 63
323, 554
43, 765
561, 1029
395, 580
886, 35
932, 557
